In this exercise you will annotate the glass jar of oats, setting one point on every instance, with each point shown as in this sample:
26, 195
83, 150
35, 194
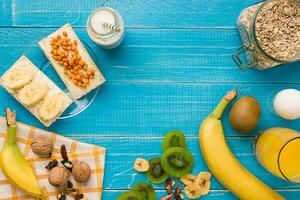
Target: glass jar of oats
270, 33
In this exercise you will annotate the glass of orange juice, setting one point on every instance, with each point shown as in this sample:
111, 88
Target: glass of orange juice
278, 150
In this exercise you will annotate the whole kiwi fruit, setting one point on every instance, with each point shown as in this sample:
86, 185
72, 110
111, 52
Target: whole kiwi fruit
245, 114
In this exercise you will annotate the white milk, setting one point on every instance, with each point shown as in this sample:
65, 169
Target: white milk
104, 36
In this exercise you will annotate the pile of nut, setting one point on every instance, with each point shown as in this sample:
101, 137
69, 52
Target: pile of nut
277, 29
169, 184
59, 174
65, 52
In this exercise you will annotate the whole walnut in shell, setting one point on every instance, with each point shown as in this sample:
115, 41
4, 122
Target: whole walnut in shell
81, 171
42, 146
58, 177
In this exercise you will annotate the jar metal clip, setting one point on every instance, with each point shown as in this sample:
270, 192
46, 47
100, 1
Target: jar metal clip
238, 61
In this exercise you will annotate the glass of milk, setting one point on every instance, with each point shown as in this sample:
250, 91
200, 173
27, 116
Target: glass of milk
105, 27
285, 103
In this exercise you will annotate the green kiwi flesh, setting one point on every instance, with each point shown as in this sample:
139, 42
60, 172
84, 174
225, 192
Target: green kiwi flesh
156, 174
130, 195
173, 139
177, 161
145, 190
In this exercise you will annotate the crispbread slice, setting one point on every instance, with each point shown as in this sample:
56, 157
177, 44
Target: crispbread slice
23, 61
76, 92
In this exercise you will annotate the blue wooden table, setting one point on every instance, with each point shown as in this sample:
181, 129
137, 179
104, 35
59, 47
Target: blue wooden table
169, 73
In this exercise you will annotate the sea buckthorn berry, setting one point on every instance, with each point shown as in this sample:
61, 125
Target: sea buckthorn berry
92, 71
71, 62
75, 42
69, 43
52, 42
65, 33
67, 39
82, 63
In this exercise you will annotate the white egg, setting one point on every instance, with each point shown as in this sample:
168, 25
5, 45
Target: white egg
287, 104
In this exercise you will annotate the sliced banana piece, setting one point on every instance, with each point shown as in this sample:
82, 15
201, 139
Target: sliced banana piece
203, 179
51, 107
33, 92
193, 191
19, 77
141, 165
188, 179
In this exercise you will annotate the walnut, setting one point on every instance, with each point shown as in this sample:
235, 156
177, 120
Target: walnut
58, 177
81, 171
42, 146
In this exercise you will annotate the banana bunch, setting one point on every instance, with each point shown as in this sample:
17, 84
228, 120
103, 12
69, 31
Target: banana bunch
13, 165
223, 164
31, 90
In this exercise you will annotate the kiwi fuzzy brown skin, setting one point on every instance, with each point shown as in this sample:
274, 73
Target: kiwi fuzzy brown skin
145, 190
177, 161
173, 138
130, 195
156, 173
245, 114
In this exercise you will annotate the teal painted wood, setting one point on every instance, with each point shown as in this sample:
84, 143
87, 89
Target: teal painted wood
138, 13
213, 195
154, 108
122, 151
169, 73
183, 55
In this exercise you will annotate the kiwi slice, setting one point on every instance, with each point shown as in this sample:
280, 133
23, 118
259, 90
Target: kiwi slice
173, 139
146, 190
177, 161
130, 195
156, 174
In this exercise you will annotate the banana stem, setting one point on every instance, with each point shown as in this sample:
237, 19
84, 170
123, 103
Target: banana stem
11, 126
218, 111
11, 134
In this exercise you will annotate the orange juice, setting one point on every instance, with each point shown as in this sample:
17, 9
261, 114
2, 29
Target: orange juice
278, 150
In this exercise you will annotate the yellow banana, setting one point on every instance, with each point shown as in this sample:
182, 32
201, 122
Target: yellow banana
223, 164
16, 169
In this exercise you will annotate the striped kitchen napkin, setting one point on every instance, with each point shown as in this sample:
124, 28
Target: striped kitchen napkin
93, 155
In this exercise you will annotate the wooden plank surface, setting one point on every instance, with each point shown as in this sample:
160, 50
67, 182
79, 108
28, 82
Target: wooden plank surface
137, 13
147, 55
169, 73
